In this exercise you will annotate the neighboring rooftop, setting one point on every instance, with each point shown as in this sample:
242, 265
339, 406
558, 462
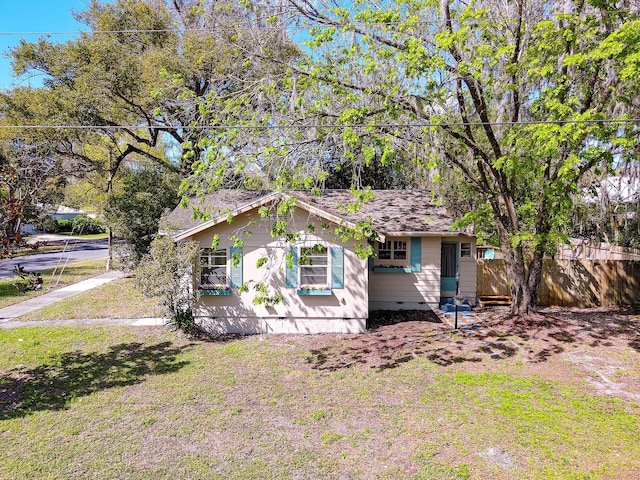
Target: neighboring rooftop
392, 211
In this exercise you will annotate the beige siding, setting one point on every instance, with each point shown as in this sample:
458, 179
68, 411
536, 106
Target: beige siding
468, 275
404, 291
345, 310
421, 290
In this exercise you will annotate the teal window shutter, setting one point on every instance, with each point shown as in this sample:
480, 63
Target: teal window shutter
416, 254
337, 267
236, 270
291, 277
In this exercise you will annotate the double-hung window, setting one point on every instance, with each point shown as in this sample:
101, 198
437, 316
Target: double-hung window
314, 266
213, 268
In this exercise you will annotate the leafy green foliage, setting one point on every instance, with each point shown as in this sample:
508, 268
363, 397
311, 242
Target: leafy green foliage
517, 109
166, 272
135, 212
83, 225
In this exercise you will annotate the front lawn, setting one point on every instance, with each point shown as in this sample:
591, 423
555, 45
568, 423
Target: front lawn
87, 236
72, 273
117, 299
406, 401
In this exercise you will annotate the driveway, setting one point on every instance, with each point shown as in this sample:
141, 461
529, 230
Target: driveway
90, 250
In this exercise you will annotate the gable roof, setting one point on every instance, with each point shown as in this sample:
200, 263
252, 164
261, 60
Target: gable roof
393, 212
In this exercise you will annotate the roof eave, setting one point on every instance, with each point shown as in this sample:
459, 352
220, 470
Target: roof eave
323, 213
427, 234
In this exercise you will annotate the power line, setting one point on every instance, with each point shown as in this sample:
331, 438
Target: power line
251, 26
164, 30
320, 126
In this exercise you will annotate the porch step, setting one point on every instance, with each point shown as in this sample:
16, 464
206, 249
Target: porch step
494, 300
449, 306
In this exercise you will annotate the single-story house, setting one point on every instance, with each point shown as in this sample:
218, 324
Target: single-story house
62, 212
312, 278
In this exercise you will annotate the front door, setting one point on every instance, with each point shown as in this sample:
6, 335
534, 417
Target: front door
448, 268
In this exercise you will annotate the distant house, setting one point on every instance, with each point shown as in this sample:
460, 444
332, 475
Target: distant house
323, 284
55, 212
61, 212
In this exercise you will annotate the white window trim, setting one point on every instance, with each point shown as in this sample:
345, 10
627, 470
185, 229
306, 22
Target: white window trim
329, 265
207, 252
470, 250
393, 250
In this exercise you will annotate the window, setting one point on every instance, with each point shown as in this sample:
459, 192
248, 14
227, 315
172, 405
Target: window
465, 250
392, 250
314, 266
315, 269
213, 267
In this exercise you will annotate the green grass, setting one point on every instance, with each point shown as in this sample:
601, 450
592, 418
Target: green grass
73, 272
121, 402
117, 299
87, 235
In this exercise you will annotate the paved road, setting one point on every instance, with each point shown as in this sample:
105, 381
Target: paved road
93, 250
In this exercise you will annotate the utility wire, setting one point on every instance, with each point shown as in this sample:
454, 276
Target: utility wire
252, 26
320, 126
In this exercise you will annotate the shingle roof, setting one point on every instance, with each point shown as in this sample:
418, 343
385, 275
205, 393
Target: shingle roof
391, 211
217, 204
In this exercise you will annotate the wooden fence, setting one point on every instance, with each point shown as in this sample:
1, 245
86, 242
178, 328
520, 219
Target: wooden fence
571, 283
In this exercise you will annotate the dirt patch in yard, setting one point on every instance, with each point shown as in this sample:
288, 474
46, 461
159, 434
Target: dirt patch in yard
597, 342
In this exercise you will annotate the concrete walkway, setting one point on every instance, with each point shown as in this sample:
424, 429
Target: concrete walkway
136, 322
14, 311
467, 323
7, 314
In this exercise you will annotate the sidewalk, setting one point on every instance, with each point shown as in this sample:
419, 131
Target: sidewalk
135, 322
14, 311
7, 314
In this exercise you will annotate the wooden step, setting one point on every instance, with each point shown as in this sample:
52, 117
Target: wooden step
494, 300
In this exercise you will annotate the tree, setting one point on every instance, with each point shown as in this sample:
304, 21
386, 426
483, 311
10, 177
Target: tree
135, 82
134, 213
520, 99
29, 175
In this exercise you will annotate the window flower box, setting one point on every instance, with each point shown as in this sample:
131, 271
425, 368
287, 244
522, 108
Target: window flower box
392, 268
314, 290
214, 290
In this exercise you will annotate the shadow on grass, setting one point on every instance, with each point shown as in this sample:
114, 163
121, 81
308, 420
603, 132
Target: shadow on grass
76, 374
395, 338
556, 328
392, 340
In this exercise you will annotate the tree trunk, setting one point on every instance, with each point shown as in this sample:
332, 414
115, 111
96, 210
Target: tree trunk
110, 247
110, 234
523, 281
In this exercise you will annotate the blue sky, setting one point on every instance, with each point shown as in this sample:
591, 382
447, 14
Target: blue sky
33, 16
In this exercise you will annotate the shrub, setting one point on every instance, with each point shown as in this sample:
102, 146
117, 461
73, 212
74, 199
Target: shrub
166, 272
65, 225
87, 226
50, 225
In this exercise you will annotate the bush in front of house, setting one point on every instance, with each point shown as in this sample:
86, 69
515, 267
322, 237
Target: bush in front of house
81, 225
166, 272
50, 225
65, 225
86, 226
